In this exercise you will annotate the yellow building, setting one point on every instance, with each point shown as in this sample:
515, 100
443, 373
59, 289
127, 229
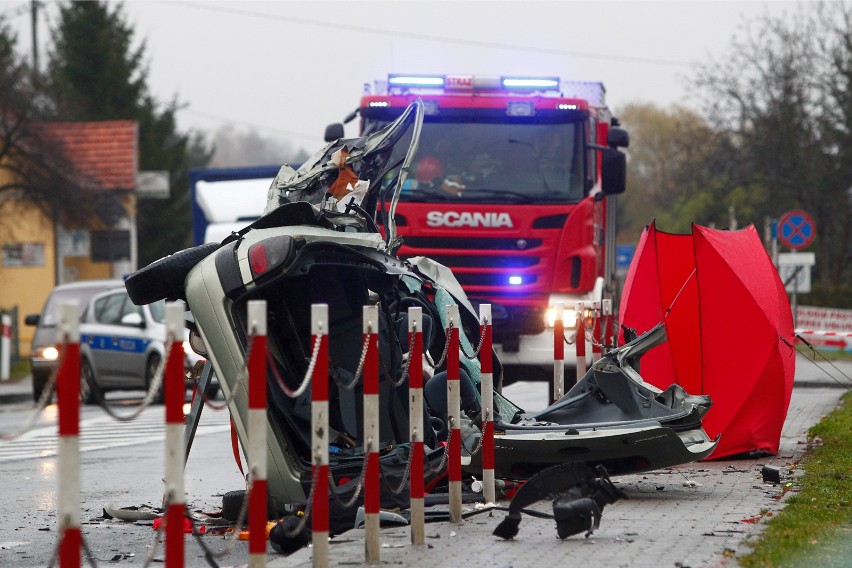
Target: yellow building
38, 252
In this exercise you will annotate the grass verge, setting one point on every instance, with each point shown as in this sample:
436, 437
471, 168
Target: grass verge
815, 527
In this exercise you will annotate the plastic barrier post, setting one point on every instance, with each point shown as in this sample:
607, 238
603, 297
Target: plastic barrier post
596, 331
174, 390
415, 422
68, 398
454, 414
485, 363
580, 340
372, 487
606, 313
558, 352
257, 514
5, 346
319, 437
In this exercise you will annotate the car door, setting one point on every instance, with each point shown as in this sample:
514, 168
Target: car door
116, 340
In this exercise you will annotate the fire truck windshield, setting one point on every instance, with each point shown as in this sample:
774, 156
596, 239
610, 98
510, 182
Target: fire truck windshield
518, 162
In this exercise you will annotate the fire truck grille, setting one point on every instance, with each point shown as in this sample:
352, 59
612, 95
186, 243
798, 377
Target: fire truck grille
471, 261
488, 279
471, 243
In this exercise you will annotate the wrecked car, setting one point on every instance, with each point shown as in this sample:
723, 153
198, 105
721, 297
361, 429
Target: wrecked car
328, 236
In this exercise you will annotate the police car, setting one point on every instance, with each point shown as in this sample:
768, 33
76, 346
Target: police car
122, 346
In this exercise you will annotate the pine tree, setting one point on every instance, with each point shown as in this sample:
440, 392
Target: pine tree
96, 73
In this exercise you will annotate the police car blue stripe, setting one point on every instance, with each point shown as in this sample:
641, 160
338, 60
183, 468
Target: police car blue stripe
113, 343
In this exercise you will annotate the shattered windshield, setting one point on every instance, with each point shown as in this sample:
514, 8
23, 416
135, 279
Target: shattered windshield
502, 162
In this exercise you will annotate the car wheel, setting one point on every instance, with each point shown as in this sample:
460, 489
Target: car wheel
39, 383
163, 279
232, 504
150, 373
90, 392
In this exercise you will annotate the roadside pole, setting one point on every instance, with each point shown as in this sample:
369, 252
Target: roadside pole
319, 438
68, 401
5, 346
454, 474
372, 473
415, 423
257, 433
580, 340
558, 352
174, 390
485, 364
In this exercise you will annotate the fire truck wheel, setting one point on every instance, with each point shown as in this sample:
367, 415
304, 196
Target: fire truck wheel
163, 279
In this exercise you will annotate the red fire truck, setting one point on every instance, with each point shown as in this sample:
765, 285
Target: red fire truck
513, 188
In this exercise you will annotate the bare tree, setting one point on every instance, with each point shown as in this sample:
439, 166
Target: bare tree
33, 166
781, 94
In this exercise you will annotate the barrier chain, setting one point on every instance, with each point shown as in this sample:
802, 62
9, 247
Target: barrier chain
46, 395
479, 345
153, 388
309, 373
241, 377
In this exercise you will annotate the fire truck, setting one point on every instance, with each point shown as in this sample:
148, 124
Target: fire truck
513, 188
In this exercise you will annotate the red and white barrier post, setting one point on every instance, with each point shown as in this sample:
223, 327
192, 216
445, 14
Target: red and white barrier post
606, 314
5, 346
372, 473
174, 390
257, 422
596, 331
319, 437
454, 473
415, 423
68, 399
580, 340
558, 351
487, 385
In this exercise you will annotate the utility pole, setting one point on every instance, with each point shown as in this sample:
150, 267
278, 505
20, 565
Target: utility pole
34, 6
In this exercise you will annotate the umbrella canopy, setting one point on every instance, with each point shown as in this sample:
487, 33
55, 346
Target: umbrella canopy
729, 326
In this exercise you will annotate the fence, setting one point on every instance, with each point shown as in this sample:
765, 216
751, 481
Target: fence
66, 379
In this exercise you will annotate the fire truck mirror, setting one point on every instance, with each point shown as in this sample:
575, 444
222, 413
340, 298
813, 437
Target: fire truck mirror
334, 132
613, 172
617, 138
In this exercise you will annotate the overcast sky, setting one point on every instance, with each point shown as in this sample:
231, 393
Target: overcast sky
289, 68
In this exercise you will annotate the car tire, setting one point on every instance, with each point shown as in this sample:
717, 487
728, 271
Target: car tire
90, 392
39, 383
163, 279
150, 372
232, 504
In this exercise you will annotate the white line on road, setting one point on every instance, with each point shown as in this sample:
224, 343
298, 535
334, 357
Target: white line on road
103, 432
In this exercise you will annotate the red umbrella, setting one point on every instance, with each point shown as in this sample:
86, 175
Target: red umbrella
729, 327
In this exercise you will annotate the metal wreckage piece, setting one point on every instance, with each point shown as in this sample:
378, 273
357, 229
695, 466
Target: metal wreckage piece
579, 495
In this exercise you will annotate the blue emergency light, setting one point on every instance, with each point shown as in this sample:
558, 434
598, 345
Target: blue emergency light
416, 80
516, 280
530, 83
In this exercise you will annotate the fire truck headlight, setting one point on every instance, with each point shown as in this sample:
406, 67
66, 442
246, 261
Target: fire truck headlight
569, 317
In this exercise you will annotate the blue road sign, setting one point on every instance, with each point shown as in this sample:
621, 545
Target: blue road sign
796, 230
